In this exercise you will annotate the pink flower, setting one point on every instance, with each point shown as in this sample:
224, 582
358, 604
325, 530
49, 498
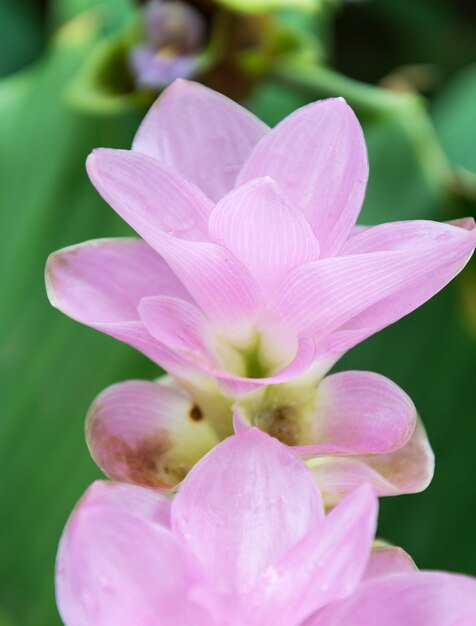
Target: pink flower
250, 282
174, 36
244, 543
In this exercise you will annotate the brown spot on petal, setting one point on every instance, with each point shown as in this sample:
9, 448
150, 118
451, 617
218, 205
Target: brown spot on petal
147, 462
195, 413
280, 422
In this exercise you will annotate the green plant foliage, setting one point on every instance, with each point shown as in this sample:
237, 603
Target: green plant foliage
50, 367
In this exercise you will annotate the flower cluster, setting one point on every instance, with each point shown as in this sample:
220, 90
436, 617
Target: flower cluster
250, 281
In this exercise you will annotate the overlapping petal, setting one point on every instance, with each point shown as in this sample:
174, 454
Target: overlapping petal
385, 560
394, 236
360, 413
320, 297
184, 329
264, 231
200, 133
254, 499
424, 599
317, 155
117, 568
248, 544
171, 215
325, 566
146, 433
101, 282
407, 470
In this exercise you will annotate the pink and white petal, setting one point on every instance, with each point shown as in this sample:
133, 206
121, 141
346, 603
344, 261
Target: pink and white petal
182, 327
263, 230
317, 155
319, 297
325, 566
397, 235
243, 506
115, 568
139, 501
403, 235
386, 560
105, 279
413, 599
146, 433
407, 470
200, 133
100, 283
171, 214
360, 413
149, 196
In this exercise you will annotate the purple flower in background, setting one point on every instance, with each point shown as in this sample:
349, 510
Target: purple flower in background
174, 33
245, 542
251, 280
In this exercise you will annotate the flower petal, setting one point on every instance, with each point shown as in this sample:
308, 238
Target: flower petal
266, 233
393, 236
117, 568
325, 566
322, 296
414, 599
243, 506
145, 503
182, 327
200, 133
145, 433
317, 156
360, 413
407, 470
100, 283
385, 560
171, 214
148, 196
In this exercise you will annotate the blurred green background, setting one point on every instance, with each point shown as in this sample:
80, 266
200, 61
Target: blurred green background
51, 368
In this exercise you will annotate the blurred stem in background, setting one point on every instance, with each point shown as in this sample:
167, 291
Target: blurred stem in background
409, 110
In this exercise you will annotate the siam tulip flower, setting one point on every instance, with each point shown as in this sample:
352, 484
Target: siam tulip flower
245, 542
175, 33
250, 282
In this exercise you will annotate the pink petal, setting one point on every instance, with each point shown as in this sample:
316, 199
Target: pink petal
266, 233
319, 297
182, 327
243, 506
143, 502
317, 156
407, 470
152, 198
200, 133
395, 236
100, 283
417, 599
361, 413
326, 565
145, 433
386, 560
117, 568
171, 215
